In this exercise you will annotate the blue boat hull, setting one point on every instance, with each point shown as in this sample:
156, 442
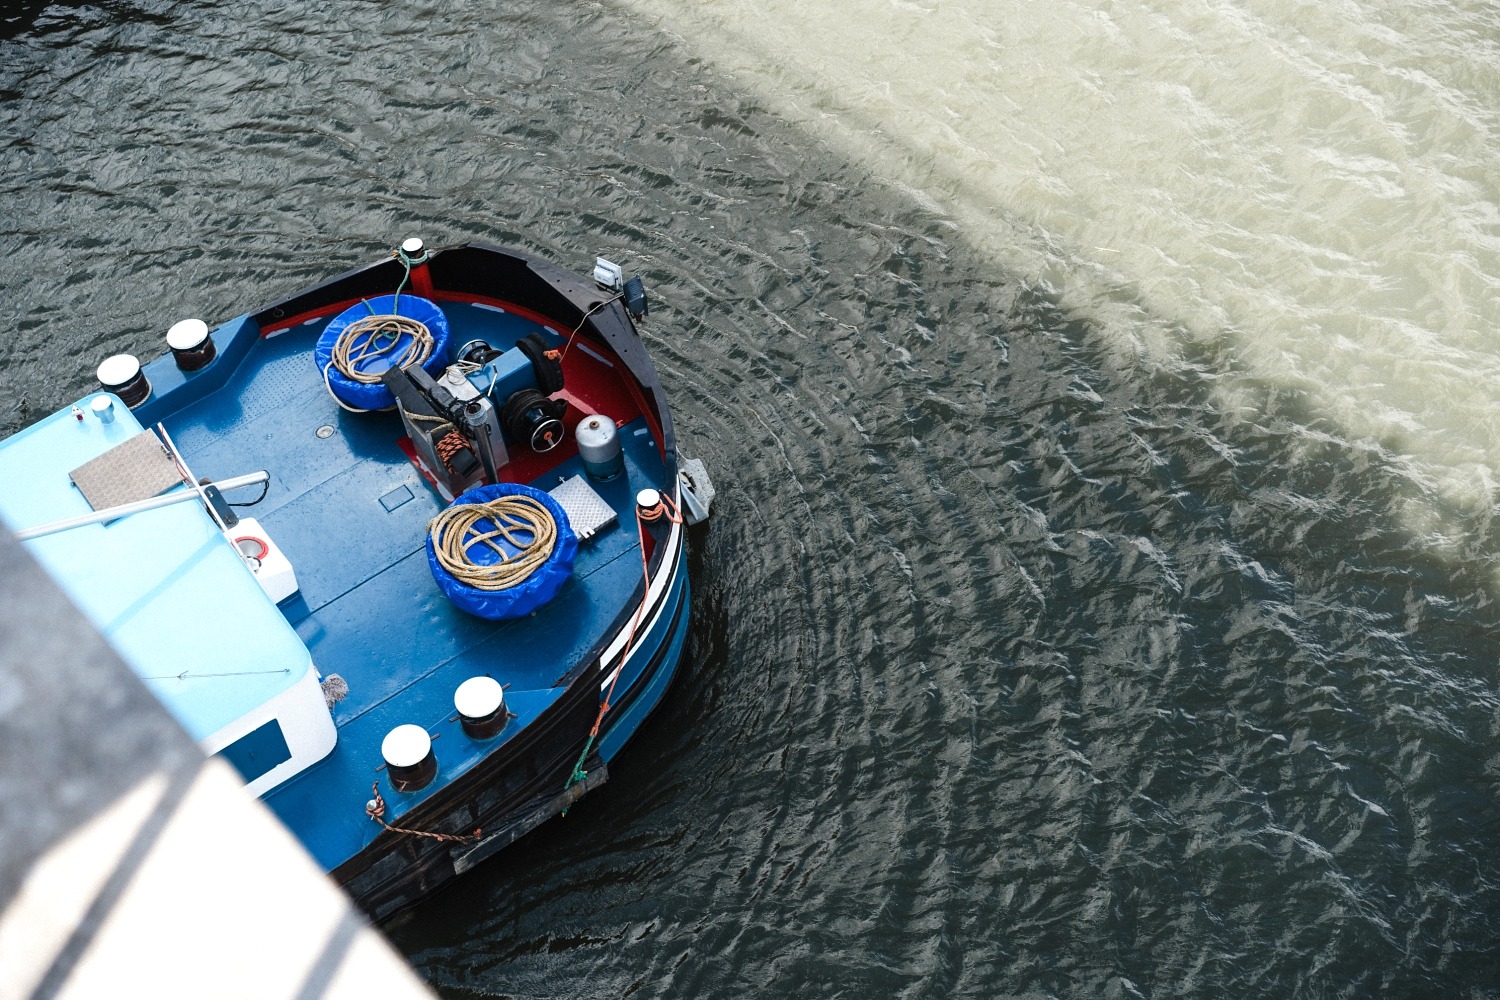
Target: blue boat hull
528, 782
363, 639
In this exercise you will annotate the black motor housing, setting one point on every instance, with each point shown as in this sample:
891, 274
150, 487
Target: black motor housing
545, 363
531, 417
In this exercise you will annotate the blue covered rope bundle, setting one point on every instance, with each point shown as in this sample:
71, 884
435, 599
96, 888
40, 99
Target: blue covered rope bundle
491, 534
375, 396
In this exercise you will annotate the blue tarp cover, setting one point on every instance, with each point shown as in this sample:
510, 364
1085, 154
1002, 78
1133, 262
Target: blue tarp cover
525, 597
377, 396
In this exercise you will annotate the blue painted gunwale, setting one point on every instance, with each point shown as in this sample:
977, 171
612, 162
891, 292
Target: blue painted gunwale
368, 608
349, 511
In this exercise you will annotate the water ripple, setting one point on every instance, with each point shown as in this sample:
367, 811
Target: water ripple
1022, 664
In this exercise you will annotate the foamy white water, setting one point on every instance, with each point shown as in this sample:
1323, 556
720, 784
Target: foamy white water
1315, 181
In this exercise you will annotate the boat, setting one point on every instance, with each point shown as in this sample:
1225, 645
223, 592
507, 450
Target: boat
407, 549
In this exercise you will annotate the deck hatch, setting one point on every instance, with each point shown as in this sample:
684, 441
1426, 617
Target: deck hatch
395, 498
587, 512
137, 468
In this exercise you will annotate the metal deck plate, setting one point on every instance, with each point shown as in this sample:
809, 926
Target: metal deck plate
135, 469
587, 512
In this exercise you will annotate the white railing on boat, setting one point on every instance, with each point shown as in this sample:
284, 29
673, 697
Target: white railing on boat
139, 506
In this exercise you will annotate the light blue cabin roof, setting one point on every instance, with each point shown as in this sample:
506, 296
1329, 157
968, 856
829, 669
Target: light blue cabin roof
165, 586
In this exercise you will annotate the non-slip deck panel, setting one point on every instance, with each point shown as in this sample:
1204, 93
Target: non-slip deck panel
135, 469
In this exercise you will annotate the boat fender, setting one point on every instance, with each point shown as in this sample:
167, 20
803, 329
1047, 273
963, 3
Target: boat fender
375, 395
697, 490
519, 599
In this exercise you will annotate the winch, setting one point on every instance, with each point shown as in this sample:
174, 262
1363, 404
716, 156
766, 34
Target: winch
463, 422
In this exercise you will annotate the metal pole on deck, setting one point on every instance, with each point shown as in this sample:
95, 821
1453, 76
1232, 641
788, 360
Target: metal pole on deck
126, 509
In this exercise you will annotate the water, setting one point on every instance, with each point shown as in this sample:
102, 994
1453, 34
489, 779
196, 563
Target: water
1100, 600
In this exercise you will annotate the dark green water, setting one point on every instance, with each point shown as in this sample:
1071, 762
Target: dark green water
1018, 669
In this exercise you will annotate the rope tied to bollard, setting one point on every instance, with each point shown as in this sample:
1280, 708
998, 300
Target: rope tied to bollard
375, 809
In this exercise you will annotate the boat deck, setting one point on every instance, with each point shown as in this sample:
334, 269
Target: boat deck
350, 512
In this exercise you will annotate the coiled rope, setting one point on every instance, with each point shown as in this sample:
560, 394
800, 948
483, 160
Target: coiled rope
457, 529
382, 334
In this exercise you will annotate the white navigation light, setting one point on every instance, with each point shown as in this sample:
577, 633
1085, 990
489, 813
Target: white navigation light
609, 274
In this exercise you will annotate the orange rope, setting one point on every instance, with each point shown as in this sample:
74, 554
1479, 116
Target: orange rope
375, 809
665, 507
449, 445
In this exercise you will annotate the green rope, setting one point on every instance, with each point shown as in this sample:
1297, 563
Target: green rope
396, 305
579, 774
409, 262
